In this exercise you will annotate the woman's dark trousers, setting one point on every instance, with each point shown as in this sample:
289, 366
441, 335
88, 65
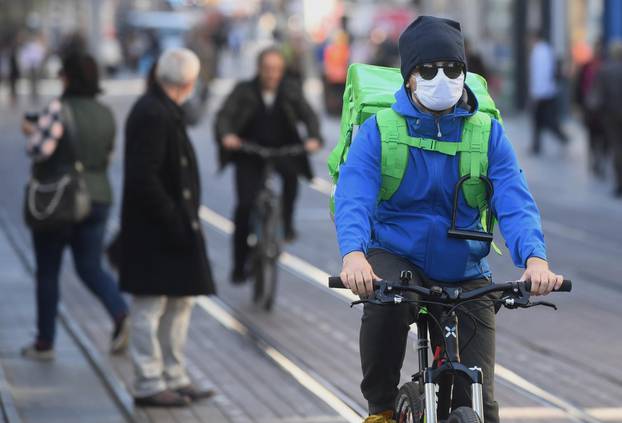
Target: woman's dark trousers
86, 242
384, 333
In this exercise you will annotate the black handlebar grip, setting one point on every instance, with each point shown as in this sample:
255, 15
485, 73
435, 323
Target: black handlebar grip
565, 287
335, 282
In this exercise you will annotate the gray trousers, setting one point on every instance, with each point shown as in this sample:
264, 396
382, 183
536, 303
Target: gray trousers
159, 327
384, 336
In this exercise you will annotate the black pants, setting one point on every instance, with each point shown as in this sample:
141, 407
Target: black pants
383, 341
545, 117
248, 180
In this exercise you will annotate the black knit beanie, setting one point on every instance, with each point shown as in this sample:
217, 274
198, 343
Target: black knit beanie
430, 39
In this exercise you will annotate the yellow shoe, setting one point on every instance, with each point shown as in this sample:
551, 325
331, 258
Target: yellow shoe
384, 417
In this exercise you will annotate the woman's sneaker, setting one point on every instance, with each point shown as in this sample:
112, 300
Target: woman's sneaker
120, 336
40, 351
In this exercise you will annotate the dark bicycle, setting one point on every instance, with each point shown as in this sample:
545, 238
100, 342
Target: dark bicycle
417, 401
266, 218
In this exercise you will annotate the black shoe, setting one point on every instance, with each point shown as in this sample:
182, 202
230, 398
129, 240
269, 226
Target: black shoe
166, 398
617, 193
195, 394
239, 276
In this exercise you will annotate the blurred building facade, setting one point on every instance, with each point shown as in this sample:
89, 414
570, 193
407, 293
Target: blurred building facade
498, 30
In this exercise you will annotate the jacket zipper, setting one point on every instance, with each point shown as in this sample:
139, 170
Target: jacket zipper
439, 134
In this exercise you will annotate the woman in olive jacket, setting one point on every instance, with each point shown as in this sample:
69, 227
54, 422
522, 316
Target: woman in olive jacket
54, 143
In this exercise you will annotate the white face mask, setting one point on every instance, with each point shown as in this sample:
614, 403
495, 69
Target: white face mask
439, 93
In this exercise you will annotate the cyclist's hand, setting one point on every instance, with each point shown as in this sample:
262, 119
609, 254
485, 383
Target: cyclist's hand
312, 145
543, 281
231, 142
357, 274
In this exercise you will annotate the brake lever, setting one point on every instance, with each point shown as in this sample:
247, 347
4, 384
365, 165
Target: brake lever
357, 302
384, 294
540, 303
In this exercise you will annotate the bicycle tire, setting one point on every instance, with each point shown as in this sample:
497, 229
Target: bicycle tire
463, 415
258, 274
265, 283
270, 282
410, 404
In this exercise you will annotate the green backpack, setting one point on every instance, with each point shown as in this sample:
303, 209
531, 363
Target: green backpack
370, 91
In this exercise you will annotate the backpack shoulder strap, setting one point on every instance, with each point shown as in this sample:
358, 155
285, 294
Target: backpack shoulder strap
474, 158
394, 153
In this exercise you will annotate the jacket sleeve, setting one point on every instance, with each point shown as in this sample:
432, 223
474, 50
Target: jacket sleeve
357, 190
306, 114
146, 150
513, 204
226, 116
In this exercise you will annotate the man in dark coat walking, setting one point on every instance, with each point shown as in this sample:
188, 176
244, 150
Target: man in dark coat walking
164, 261
265, 110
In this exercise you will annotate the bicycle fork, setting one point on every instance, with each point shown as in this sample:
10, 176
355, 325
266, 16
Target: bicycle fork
451, 367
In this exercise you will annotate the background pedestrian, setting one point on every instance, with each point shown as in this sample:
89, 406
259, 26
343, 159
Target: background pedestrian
609, 98
164, 259
52, 143
543, 91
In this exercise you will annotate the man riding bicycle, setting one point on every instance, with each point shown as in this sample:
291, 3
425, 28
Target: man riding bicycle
265, 110
409, 231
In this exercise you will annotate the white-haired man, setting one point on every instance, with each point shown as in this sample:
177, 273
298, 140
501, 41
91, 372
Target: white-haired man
164, 262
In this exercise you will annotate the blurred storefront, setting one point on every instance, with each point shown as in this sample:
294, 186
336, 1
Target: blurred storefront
499, 30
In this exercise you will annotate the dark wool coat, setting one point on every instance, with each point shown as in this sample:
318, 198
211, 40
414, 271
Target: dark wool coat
163, 250
245, 102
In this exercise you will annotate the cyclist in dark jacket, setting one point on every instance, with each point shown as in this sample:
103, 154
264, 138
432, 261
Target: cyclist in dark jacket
266, 111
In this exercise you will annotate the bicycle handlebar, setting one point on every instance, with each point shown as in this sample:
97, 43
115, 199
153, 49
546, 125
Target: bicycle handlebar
271, 152
451, 295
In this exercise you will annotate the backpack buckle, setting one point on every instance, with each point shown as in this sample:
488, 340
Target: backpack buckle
427, 144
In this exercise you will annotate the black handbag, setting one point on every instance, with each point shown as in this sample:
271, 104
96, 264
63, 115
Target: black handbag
65, 200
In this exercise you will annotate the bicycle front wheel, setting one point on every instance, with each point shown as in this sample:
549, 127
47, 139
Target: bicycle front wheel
410, 404
463, 415
265, 282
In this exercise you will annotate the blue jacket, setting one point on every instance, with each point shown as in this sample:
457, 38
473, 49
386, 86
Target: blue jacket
414, 222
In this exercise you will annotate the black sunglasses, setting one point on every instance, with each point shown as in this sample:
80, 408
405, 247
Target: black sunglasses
452, 70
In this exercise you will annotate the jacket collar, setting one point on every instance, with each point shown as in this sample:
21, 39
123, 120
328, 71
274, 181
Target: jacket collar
176, 111
259, 91
425, 125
